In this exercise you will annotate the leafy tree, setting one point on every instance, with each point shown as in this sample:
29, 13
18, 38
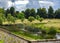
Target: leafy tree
2, 10
20, 15
10, 18
57, 13
12, 11
42, 12
1, 21
31, 18
32, 13
16, 13
7, 12
23, 12
27, 13
50, 12
2, 16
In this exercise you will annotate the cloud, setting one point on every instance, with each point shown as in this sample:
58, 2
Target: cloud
46, 3
21, 2
9, 3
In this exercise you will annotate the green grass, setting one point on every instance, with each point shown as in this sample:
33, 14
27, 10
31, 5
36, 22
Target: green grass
1, 41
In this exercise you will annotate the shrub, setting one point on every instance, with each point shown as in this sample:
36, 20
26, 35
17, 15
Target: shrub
31, 18
41, 19
52, 31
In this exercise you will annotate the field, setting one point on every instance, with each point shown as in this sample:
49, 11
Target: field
45, 24
52, 22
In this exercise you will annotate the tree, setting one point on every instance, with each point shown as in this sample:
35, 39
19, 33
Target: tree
2, 18
42, 12
10, 18
50, 12
21, 16
12, 11
1, 21
2, 10
32, 12
27, 13
31, 18
16, 13
7, 12
57, 13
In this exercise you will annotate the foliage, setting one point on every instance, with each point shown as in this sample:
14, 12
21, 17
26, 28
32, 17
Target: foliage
12, 11
2, 18
42, 12
7, 12
57, 13
10, 18
50, 12
27, 13
20, 15
32, 29
2, 10
37, 17
31, 18
52, 31
41, 19
1, 21
32, 12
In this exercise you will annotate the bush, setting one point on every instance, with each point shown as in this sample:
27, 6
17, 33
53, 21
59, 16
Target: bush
1, 21
37, 17
41, 19
31, 18
32, 29
52, 31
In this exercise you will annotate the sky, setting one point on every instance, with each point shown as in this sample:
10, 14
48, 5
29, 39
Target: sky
21, 4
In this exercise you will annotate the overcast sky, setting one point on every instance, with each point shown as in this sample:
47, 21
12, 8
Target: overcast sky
43, 3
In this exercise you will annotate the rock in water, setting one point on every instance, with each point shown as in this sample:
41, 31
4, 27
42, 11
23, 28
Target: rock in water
33, 4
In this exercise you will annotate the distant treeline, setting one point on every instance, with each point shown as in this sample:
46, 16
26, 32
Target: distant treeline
42, 12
